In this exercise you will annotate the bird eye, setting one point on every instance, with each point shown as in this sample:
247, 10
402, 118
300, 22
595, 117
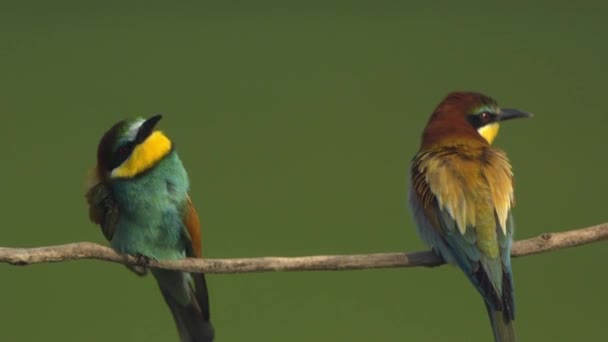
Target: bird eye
125, 149
485, 116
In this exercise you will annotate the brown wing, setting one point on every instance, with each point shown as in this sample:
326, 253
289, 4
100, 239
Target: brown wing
192, 224
102, 208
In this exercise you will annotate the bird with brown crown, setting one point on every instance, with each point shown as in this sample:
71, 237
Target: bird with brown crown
461, 195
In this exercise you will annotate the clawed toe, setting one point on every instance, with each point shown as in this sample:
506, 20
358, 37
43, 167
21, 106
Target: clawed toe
142, 260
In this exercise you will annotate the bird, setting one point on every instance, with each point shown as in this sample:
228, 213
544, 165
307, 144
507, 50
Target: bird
461, 195
138, 194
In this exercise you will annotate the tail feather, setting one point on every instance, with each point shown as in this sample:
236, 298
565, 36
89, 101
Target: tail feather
201, 294
502, 326
189, 304
190, 321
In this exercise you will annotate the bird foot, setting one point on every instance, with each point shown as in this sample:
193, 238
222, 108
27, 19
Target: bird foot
139, 270
140, 265
142, 260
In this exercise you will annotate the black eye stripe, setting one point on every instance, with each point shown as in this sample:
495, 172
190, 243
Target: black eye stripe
482, 119
121, 154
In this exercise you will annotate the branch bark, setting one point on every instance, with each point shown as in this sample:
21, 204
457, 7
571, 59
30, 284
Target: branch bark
87, 250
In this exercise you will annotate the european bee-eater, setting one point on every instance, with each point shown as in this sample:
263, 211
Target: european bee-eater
138, 194
461, 194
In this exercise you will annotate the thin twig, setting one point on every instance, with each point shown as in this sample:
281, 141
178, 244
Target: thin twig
87, 250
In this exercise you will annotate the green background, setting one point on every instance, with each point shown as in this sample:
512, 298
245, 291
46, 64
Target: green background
297, 125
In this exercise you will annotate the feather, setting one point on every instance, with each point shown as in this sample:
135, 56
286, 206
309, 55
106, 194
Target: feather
461, 204
102, 208
192, 224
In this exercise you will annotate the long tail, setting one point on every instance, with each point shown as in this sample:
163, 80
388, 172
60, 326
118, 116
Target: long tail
192, 319
502, 326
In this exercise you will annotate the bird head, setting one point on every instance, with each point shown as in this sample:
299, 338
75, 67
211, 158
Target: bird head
131, 147
467, 117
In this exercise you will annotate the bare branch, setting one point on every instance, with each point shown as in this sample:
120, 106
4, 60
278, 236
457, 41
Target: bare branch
87, 250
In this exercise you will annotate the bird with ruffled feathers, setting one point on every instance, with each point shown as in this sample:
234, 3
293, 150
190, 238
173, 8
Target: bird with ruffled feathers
461, 195
138, 195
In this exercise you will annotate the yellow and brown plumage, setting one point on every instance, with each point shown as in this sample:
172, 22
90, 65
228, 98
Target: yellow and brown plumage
461, 196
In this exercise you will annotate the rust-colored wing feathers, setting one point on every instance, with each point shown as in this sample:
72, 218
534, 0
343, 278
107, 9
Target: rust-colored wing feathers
192, 223
102, 208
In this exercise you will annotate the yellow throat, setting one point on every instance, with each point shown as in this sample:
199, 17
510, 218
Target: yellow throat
489, 132
144, 156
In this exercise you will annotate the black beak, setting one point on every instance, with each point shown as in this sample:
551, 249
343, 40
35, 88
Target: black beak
509, 113
147, 128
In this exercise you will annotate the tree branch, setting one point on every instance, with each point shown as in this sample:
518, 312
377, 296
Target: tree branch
87, 250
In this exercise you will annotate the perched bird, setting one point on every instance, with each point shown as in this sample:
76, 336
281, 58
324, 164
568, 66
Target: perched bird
138, 194
461, 195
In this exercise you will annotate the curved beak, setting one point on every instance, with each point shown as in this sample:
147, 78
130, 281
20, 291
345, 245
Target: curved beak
509, 113
147, 128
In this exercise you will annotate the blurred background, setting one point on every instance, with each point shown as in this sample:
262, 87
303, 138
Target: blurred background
297, 125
